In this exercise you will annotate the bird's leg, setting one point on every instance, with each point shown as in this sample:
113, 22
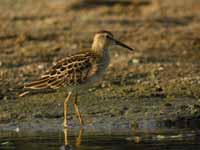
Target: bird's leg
65, 108
78, 114
78, 139
66, 136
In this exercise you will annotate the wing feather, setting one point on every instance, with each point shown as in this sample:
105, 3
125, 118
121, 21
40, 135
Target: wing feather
72, 70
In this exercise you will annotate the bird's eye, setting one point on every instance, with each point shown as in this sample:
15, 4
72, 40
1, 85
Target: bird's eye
107, 36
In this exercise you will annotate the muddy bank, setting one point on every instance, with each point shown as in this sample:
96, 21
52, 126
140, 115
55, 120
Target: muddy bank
159, 82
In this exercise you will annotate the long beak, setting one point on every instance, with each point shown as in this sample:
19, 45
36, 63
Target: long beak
123, 45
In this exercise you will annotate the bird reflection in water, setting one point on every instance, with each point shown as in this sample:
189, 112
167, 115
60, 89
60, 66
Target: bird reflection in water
67, 145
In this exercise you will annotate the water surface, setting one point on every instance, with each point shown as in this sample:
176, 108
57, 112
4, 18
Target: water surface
85, 140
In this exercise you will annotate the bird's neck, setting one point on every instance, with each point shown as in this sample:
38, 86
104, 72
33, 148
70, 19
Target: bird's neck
103, 59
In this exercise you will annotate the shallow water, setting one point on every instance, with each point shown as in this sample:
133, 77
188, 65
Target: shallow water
81, 140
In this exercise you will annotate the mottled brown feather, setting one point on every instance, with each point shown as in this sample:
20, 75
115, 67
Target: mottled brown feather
70, 71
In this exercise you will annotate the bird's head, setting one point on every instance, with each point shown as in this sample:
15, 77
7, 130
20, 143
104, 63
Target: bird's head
104, 39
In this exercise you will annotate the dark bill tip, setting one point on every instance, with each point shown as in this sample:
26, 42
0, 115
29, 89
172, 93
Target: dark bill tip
123, 45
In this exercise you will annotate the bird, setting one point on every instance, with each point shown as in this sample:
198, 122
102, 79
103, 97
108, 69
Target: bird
79, 70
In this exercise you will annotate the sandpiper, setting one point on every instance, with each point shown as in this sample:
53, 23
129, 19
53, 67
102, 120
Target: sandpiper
79, 70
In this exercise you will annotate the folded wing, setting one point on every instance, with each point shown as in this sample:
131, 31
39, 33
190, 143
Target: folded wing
72, 70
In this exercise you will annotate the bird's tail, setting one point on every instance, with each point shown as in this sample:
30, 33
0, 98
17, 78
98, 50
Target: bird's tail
38, 84
23, 93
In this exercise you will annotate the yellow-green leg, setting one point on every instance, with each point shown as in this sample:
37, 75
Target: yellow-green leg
66, 136
66, 109
78, 114
78, 139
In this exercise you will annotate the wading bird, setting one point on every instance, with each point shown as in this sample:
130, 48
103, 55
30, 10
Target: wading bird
79, 70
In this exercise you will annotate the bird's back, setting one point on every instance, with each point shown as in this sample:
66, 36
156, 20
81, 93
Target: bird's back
73, 70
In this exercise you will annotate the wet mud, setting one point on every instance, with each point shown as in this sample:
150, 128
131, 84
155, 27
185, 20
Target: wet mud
157, 85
